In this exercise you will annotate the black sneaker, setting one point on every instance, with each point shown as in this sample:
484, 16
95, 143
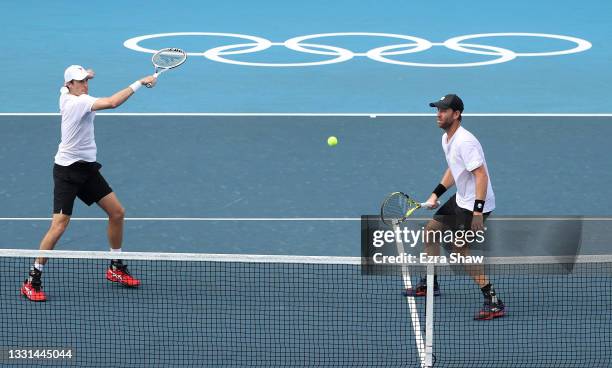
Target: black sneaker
421, 289
491, 310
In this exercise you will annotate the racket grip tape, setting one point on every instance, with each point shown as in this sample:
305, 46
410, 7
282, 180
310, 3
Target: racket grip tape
426, 204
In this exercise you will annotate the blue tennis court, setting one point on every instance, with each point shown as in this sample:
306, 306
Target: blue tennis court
228, 155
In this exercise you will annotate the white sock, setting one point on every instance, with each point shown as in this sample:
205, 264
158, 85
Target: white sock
39, 266
113, 250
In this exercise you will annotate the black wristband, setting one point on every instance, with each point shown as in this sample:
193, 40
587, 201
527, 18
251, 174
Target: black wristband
440, 189
479, 205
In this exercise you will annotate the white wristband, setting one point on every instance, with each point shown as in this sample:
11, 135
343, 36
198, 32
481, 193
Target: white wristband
134, 86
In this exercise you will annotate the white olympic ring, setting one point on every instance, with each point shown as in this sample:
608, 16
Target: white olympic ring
505, 56
294, 43
260, 43
380, 54
215, 55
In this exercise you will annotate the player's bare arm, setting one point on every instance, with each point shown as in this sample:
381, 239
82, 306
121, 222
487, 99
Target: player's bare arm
447, 181
482, 180
120, 97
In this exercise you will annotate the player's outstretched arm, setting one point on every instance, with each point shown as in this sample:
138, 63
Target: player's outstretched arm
120, 97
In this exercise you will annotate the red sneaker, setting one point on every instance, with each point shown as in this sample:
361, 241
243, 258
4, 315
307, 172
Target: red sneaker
33, 291
117, 272
491, 310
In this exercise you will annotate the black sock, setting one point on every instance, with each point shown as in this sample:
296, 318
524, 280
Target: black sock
34, 277
489, 293
116, 263
35, 273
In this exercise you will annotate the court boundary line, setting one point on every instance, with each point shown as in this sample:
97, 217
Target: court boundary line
414, 313
297, 114
296, 219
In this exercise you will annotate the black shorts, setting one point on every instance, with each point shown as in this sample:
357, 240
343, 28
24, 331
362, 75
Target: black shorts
81, 179
455, 217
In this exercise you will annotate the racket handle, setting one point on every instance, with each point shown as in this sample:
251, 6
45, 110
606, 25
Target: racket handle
155, 75
149, 85
427, 205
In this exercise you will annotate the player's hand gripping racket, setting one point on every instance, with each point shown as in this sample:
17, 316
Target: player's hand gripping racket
397, 207
167, 59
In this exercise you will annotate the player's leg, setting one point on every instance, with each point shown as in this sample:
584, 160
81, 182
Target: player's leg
117, 271
476, 271
116, 214
64, 193
493, 306
97, 190
32, 286
432, 248
59, 224
442, 220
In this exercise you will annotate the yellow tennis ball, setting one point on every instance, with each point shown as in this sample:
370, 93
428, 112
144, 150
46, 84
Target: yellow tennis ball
332, 141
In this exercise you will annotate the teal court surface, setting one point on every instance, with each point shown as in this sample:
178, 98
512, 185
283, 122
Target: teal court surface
245, 226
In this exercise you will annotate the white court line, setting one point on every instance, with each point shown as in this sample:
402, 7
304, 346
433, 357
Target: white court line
296, 219
369, 114
414, 313
190, 219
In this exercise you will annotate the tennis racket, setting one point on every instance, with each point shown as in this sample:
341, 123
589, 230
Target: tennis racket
166, 59
397, 207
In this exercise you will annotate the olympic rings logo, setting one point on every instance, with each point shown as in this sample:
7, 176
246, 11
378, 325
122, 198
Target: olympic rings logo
384, 54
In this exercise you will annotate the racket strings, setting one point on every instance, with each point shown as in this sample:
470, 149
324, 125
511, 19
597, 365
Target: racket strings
396, 207
168, 59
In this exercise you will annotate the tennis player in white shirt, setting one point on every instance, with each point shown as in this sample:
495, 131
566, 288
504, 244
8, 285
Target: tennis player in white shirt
76, 174
470, 206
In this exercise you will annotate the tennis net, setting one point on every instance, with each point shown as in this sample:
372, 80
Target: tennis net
248, 310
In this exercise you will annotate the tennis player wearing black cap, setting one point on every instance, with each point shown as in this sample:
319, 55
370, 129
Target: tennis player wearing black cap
472, 203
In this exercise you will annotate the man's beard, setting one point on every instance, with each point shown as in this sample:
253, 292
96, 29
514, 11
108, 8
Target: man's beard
445, 124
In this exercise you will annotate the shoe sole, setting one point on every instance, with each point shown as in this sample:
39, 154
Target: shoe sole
32, 300
405, 293
122, 283
490, 316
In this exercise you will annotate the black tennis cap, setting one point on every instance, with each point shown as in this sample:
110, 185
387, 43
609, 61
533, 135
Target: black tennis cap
449, 102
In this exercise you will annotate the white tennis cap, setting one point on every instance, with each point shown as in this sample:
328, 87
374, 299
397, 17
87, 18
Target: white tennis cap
75, 72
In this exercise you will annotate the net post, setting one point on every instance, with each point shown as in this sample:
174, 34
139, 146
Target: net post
429, 311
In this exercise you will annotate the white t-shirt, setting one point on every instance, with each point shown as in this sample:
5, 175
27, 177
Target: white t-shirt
78, 142
463, 155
